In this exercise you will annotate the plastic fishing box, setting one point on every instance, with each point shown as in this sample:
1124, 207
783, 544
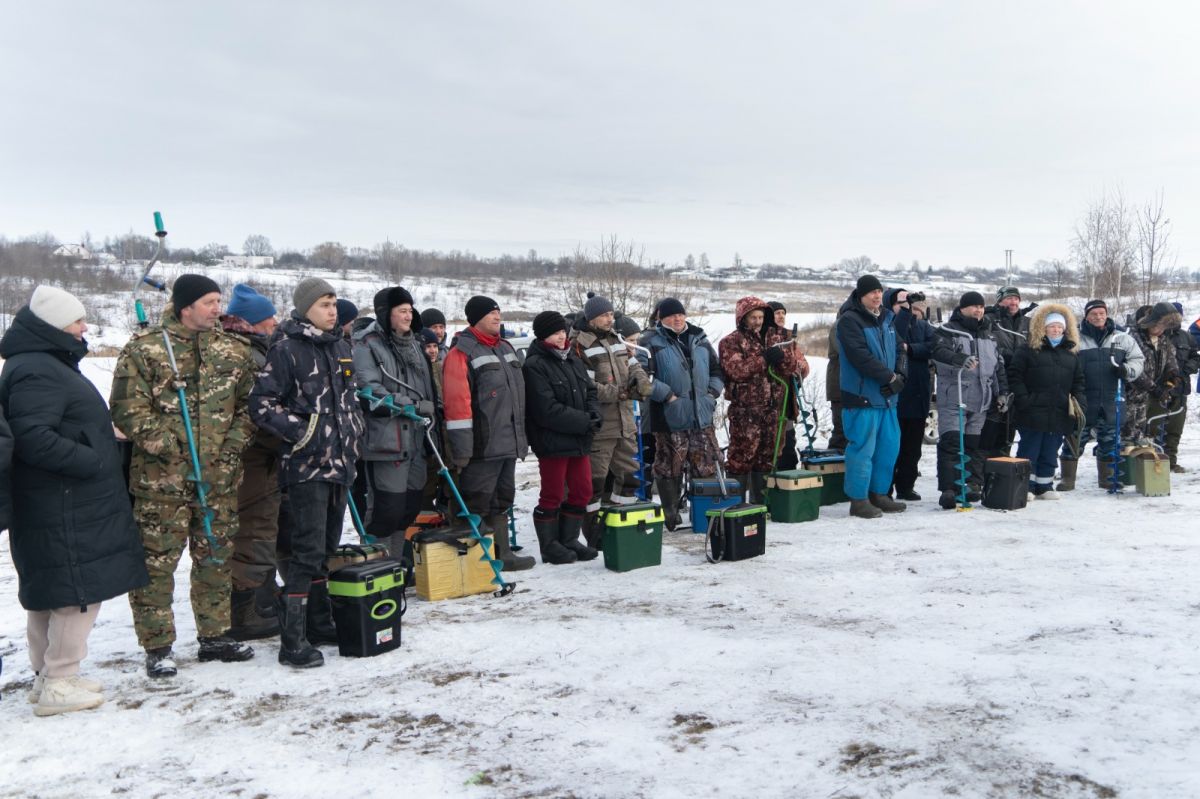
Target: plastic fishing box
794, 495
451, 563
1006, 483
632, 537
1152, 475
704, 494
346, 554
368, 603
832, 468
743, 529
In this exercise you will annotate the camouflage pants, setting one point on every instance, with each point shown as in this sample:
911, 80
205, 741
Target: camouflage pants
258, 520
752, 439
1133, 417
697, 448
166, 527
620, 456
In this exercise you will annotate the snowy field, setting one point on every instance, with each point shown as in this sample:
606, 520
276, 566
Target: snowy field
1050, 652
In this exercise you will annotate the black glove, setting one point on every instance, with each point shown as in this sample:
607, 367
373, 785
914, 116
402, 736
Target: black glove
597, 420
1003, 403
894, 386
774, 356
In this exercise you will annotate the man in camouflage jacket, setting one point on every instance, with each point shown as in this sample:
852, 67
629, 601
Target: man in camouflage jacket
756, 400
619, 380
217, 372
305, 395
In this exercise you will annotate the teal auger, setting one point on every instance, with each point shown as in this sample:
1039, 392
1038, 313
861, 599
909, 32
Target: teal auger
145, 279
963, 503
1115, 485
473, 519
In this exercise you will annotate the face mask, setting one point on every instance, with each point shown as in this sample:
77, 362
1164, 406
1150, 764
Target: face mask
1054, 342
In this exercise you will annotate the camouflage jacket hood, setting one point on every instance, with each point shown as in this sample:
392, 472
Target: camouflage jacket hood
747, 383
305, 396
217, 372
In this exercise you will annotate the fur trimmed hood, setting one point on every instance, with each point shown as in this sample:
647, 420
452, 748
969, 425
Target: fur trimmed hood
1163, 312
1037, 325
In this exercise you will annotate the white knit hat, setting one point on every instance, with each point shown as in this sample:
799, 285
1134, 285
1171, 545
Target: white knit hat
56, 307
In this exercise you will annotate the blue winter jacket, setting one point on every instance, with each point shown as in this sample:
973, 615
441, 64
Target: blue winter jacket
867, 352
684, 365
918, 334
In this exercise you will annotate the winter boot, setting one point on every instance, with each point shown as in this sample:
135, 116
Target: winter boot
160, 663
593, 530
948, 500
864, 509
1049, 493
1069, 470
745, 481
512, 563
758, 488
65, 696
224, 649
668, 490
319, 629
1104, 472
570, 521
294, 648
264, 598
886, 503
246, 622
546, 524
908, 495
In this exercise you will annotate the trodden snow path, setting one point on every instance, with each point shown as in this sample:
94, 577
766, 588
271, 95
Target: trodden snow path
1046, 652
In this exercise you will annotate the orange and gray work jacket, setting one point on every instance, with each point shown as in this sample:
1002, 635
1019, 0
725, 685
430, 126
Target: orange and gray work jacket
484, 395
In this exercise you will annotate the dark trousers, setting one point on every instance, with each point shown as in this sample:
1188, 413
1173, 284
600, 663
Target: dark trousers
388, 512
1168, 430
788, 459
1041, 449
912, 438
996, 437
316, 511
837, 439
488, 487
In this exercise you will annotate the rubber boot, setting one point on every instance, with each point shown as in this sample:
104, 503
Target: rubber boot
744, 480
570, 522
593, 530
319, 628
1069, 471
546, 524
863, 509
757, 493
512, 563
294, 648
246, 624
264, 598
668, 490
1104, 471
948, 500
886, 503
224, 649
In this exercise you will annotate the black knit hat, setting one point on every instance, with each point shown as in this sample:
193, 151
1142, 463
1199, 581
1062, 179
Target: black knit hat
432, 316
347, 311
189, 288
970, 298
626, 326
547, 323
866, 284
776, 305
1093, 304
387, 299
669, 307
478, 307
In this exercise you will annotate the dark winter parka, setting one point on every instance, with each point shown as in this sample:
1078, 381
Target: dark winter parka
918, 335
684, 365
748, 386
868, 354
305, 395
1011, 330
1042, 377
6, 451
382, 360
1099, 348
560, 402
74, 540
1188, 354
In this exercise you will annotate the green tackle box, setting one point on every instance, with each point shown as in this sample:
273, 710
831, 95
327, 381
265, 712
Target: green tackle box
832, 469
794, 495
632, 536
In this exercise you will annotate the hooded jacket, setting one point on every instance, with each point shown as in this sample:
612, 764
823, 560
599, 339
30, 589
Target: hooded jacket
1042, 377
305, 396
954, 342
560, 402
619, 378
748, 386
1098, 349
73, 535
407, 377
868, 355
683, 365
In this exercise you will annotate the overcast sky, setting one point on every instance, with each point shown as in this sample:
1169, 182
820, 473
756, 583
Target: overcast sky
788, 132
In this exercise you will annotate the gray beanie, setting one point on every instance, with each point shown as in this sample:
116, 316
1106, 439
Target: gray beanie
308, 292
595, 306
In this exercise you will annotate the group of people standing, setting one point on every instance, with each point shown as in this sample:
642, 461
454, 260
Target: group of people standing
247, 437
1000, 370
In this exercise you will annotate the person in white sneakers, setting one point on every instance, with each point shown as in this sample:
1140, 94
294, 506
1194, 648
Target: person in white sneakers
74, 540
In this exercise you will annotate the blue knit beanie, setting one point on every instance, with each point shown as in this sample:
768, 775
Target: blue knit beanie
249, 305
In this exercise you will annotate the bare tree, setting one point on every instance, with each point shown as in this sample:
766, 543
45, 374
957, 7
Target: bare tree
1055, 276
1105, 249
257, 244
1156, 266
857, 267
617, 270
328, 257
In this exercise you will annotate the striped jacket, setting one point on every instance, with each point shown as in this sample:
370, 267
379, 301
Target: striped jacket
619, 378
484, 396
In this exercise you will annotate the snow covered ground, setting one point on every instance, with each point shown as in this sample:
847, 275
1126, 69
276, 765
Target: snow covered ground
1052, 652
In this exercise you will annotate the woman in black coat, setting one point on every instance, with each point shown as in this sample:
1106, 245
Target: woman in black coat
74, 540
1043, 378
561, 416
